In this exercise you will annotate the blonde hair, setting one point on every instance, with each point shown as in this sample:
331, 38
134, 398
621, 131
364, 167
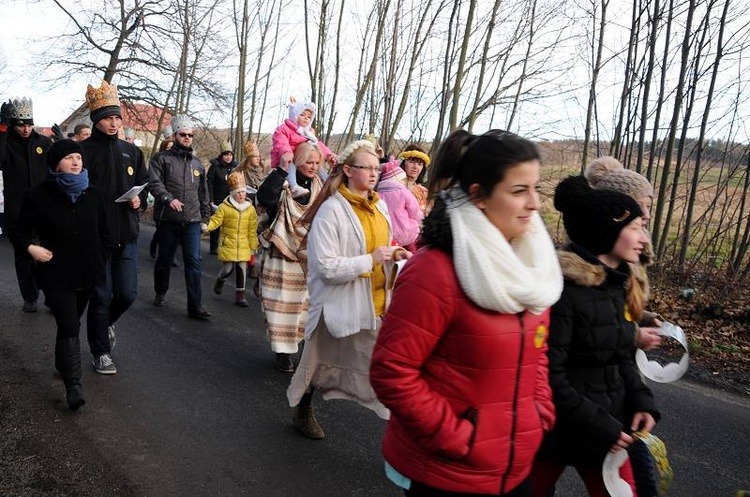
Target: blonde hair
303, 151
337, 176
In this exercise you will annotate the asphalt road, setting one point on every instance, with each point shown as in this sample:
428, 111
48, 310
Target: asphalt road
198, 409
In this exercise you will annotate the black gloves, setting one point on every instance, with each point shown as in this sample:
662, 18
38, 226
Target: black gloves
6, 110
58, 132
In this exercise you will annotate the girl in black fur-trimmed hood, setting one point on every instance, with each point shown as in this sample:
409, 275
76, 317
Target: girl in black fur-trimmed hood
599, 396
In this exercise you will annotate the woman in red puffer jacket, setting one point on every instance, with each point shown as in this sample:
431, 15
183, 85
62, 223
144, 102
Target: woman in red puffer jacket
460, 360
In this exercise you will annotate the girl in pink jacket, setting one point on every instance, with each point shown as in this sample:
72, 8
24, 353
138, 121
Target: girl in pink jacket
403, 207
293, 131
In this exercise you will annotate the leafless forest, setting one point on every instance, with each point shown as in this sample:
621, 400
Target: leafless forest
660, 84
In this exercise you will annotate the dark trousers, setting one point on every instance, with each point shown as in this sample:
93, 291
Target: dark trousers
25, 274
213, 240
112, 298
67, 307
189, 236
420, 490
545, 474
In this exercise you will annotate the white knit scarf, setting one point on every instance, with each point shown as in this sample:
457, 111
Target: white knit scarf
504, 277
307, 133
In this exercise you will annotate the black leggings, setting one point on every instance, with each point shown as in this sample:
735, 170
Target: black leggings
67, 306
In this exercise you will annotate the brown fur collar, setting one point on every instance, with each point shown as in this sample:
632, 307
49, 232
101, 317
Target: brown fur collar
579, 271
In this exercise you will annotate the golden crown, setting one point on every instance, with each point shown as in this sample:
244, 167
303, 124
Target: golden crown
21, 108
104, 96
236, 181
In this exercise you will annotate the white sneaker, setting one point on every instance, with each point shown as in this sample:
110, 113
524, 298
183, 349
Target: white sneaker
112, 337
298, 191
104, 365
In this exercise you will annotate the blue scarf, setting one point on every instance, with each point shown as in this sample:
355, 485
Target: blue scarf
71, 185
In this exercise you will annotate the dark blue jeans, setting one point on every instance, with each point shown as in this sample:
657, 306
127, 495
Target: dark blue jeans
189, 236
111, 299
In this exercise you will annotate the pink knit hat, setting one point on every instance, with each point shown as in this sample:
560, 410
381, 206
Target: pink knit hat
392, 170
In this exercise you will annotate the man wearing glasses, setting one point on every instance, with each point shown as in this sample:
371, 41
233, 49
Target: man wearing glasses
114, 166
178, 184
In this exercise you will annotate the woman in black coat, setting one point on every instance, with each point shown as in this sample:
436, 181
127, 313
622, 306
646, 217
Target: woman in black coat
67, 217
600, 398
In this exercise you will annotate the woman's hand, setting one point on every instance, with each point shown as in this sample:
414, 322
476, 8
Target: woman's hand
381, 254
648, 338
400, 254
643, 421
622, 443
39, 253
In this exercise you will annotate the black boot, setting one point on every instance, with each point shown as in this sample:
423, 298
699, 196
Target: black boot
68, 359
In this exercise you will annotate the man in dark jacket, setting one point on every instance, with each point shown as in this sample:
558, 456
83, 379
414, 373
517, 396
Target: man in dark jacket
178, 184
114, 167
217, 185
23, 161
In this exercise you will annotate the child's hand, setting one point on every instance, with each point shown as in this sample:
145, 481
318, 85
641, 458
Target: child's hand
286, 159
332, 159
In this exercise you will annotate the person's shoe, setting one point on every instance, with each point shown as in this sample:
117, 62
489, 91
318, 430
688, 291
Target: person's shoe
284, 363
112, 336
240, 300
160, 300
29, 306
104, 365
305, 422
199, 313
218, 286
298, 191
74, 396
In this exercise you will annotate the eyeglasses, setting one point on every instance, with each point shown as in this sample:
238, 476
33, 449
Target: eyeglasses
373, 169
183, 135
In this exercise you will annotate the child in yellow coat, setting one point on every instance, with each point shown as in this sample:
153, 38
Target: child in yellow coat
239, 238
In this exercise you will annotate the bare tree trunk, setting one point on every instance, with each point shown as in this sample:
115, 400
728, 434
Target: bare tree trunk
654, 29
704, 123
524, 65
651, 170
597, 47
458, 83
447, 62
679, 94
617, 139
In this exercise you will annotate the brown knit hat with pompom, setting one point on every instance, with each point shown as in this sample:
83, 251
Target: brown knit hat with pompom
608, 173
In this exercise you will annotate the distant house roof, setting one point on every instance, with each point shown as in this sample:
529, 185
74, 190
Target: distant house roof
140, 117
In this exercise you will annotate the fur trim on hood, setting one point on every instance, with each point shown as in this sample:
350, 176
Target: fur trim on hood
581, 272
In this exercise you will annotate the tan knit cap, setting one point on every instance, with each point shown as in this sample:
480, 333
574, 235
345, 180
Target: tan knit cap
608, 173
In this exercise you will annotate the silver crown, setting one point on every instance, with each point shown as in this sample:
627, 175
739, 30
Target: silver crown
181, 121
22, 108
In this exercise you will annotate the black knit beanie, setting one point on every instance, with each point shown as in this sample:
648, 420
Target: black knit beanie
109, 110
593, 219
59, 150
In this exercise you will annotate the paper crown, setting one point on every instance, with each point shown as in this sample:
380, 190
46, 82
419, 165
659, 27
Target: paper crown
181, 121
226, 146
251, 149
236, 182
104, 96
22, 108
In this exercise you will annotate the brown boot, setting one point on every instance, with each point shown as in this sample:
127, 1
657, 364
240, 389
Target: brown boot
239, 299
305, 422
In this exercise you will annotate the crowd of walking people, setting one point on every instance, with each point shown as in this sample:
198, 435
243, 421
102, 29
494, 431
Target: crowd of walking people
427, 290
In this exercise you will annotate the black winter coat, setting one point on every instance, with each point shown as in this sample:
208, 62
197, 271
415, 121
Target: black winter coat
269, 192
595, 383
177, 174
24, 165
216, 177
77, 235
115, 166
